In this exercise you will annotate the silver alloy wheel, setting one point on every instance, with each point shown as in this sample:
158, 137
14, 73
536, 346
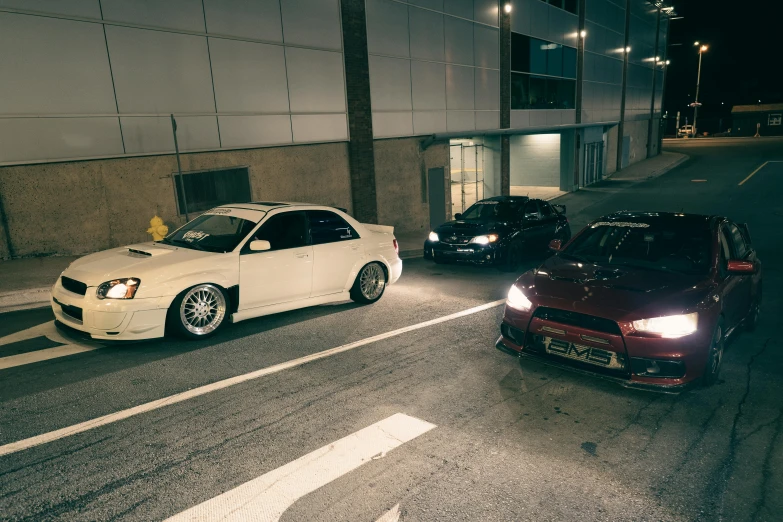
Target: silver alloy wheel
203, 309
372, 281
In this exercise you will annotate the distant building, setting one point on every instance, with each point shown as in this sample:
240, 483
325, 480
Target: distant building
767, 117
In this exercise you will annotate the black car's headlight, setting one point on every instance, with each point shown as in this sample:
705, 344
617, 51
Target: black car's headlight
434, 237
119, 288
484, 240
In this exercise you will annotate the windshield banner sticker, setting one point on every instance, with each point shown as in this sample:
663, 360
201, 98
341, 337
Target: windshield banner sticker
219, 211
487, 202
626, 224
194, 235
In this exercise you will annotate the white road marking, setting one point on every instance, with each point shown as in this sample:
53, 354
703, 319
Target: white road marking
393, 515
265, 499
44, 438
50, 331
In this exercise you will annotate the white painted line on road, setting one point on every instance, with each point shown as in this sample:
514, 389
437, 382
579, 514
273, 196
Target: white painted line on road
44, 438
48, 330
42, 355
753, 173
265, 499
393, 515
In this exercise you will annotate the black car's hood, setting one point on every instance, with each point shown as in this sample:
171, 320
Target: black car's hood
465, 227
614, 291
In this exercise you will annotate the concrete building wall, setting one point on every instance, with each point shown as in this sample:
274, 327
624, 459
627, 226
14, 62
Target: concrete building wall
109, 202
637, 130
401, 168
535, 160
603, 62
434, 66
95, 81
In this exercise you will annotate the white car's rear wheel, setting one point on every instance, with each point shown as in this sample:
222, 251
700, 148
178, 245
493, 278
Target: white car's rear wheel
370, 284
199, 311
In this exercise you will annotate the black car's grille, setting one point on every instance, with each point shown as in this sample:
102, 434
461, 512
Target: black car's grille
72, 285
589, 322
454, 239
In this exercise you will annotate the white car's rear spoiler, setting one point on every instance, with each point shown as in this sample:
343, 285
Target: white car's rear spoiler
382, 229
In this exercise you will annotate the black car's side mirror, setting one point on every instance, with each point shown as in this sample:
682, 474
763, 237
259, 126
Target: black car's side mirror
458, 216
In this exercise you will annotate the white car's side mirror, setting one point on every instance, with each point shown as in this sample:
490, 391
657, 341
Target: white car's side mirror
259, 245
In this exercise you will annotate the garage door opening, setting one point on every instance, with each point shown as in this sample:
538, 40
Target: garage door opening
535, 166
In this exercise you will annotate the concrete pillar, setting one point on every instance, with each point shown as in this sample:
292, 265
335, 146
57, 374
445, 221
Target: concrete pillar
505, 99
357, 86
580, 65
621, 126
652, 144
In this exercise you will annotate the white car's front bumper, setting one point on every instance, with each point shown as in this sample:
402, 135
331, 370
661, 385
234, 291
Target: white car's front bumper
131, 319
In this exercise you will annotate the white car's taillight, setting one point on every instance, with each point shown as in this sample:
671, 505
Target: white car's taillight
396, 247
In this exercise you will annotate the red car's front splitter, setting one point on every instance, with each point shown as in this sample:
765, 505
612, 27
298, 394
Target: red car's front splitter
510, 348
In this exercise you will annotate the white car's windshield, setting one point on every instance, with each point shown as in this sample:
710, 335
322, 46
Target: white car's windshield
211, 232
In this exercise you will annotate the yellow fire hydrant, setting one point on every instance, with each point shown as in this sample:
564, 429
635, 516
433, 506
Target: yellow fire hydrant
157, 229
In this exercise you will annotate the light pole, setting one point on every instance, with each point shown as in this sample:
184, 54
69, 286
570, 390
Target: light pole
702, 49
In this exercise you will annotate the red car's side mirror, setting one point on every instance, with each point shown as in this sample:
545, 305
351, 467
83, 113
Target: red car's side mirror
555, 245
742, 267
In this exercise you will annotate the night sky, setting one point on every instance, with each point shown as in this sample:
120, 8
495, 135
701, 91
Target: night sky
744, 63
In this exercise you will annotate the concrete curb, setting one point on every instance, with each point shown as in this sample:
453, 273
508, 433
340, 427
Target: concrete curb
25, 299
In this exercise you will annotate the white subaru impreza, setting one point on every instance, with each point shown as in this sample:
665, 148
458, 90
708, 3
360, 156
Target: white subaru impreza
233, 262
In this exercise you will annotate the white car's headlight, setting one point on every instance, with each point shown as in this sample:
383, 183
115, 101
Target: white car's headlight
484, 240
119, 288
671, 326
434, 237
517, 300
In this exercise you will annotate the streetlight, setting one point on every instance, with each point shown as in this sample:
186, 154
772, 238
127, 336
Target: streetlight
702, 50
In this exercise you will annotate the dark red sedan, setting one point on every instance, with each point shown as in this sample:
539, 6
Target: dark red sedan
646, 299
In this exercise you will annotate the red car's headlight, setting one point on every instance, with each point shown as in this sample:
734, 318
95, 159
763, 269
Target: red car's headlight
671, 326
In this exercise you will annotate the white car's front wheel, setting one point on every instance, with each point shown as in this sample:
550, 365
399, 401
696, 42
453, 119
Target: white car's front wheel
199, 311
370, 284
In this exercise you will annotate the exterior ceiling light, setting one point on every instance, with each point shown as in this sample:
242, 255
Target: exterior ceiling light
507, 8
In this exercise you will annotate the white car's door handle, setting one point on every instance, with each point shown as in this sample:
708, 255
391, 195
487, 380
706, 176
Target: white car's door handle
302, 255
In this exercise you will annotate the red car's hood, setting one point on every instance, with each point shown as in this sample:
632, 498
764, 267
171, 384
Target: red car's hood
615, 292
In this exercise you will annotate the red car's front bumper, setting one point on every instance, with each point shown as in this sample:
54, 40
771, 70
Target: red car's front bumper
623, 356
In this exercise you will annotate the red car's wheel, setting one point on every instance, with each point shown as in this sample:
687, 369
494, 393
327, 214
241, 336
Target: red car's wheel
715, 356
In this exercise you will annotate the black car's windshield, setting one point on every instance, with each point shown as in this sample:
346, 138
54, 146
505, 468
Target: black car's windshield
493, 210
649, 245
211, 232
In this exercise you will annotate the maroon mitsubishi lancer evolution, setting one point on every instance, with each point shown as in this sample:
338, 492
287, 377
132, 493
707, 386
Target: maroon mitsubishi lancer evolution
646, 299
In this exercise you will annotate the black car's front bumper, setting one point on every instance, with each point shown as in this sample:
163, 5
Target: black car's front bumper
469, 253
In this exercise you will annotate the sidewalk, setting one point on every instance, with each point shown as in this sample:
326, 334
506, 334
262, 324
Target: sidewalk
579, 202
25, 283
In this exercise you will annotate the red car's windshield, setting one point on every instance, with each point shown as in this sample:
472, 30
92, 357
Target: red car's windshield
685, 249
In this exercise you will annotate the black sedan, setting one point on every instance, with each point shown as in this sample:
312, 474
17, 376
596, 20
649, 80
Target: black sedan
498, 231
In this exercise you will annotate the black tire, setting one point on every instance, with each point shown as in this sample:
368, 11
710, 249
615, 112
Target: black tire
752, 320
512, 258
370, 284
715, 356
208, 307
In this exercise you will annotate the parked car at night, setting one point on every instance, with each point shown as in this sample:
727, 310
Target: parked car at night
645, 299
234, 262
685, 131
498, 231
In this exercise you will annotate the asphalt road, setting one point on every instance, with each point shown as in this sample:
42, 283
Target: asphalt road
510, 441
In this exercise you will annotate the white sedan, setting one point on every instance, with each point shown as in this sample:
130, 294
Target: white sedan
233, 262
